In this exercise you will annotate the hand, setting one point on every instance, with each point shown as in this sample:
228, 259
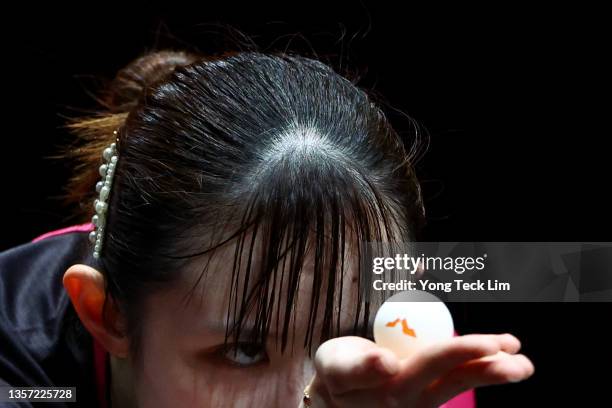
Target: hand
354, 372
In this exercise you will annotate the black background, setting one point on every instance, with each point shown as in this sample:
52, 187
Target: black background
512, 99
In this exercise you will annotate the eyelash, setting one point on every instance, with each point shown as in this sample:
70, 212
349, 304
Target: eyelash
233, 352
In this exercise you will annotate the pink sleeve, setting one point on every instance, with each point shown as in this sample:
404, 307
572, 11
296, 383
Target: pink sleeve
464, 400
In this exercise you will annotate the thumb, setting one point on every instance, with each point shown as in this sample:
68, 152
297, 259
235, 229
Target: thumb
351, 363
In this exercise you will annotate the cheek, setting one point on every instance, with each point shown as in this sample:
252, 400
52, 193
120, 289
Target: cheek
162, 380
167, 380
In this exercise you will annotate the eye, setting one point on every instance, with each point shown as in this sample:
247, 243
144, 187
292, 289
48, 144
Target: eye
244, 354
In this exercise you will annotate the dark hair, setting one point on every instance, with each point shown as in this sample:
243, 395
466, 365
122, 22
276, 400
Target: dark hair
236, 148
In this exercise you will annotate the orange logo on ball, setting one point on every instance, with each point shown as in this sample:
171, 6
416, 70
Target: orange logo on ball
405, 328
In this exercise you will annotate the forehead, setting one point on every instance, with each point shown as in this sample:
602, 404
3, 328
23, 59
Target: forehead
214, 289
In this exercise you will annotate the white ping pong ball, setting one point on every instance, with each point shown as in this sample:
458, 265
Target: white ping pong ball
412, 319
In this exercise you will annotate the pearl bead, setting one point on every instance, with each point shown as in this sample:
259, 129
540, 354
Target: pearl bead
103, 188
101, 207
104, 193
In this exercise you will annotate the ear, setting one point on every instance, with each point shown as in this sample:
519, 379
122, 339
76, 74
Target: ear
85, 286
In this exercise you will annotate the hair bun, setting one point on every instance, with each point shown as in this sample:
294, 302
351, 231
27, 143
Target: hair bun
132, 81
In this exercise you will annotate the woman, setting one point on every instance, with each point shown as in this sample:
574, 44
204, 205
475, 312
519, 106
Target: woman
236, 194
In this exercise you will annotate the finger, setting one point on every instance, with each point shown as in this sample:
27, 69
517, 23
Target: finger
350, 363
497, 369
435, 360
508, 343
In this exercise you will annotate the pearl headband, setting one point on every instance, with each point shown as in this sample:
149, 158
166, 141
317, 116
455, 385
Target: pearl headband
103, 188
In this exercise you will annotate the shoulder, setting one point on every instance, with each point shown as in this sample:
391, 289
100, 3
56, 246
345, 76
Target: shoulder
39, 345
31, 290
